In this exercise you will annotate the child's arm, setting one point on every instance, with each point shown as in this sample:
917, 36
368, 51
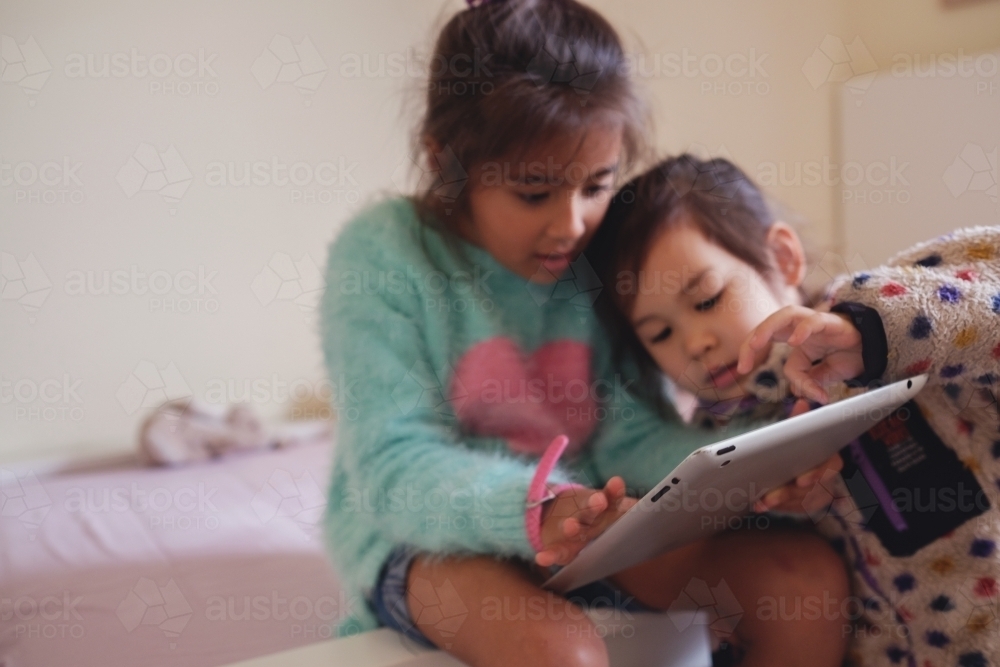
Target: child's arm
635, 442
933, 309
400, 460
938, 304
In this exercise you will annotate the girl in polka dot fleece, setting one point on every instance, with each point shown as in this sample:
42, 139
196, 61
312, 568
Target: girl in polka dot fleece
707, 291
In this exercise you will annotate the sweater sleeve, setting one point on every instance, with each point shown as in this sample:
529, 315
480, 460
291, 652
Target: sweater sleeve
399, 448
638, 443
939, 304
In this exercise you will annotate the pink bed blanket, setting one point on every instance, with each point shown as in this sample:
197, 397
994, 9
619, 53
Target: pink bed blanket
197, 566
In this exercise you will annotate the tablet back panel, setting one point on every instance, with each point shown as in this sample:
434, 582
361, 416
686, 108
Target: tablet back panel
714, 488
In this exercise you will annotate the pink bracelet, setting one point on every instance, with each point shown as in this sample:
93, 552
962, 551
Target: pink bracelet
539, 492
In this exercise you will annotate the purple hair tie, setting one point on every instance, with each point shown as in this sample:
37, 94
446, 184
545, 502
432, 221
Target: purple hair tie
478, 3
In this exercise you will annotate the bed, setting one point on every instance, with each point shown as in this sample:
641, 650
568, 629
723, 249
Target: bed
199, 565
212, 564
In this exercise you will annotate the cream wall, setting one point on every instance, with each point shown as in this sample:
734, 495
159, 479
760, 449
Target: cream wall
763, 117
936, 97
78, 368
892, 27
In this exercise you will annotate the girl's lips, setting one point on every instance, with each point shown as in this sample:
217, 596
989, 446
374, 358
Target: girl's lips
554, 263
723, 377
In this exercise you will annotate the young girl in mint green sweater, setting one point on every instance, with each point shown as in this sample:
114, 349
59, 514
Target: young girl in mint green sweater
488, 435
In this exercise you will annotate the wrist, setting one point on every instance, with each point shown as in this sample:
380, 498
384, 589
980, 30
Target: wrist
549, 501
874, 344
540, 492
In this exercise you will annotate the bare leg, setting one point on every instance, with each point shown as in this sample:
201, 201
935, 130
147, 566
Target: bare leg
794, 571
511, 620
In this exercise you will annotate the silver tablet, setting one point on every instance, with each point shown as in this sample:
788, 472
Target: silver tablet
715, 487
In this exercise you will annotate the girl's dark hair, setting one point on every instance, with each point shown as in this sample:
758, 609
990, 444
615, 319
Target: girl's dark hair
509, 75
716, 195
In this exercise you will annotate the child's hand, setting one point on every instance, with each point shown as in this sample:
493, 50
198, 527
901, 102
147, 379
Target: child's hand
826, 348
797, 496
577, 516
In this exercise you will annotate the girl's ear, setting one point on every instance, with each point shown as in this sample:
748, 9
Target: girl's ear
431, 146
789, 255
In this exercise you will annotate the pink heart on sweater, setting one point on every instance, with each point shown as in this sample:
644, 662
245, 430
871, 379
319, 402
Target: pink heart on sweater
527, 399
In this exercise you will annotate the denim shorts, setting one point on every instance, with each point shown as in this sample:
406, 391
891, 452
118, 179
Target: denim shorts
389, 597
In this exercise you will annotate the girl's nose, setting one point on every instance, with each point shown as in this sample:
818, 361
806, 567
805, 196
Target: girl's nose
568, 225
698, 342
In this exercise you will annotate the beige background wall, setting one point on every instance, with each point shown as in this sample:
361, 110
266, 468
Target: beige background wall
79, 368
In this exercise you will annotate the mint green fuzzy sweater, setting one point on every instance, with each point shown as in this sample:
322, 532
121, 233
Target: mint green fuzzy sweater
453, 374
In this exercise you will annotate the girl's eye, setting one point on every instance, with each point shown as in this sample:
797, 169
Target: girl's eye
533, 197
708, 304
596, 189
663, 335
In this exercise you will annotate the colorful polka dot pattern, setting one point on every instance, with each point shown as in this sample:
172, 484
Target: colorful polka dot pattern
949, 294
940, 305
